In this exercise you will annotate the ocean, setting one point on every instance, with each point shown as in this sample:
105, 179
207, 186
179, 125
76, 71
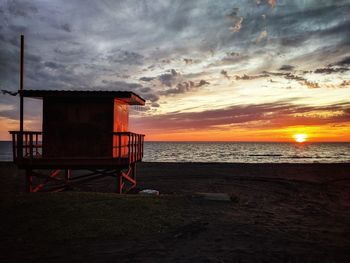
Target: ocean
234, 152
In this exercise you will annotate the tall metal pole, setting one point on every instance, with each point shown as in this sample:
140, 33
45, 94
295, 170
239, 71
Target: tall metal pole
20, 141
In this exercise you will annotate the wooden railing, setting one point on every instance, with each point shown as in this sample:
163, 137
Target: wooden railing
26, 144
128, 145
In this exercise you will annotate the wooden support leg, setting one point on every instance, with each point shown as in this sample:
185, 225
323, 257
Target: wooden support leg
133, 172
67, 174
127, 179
120, 183
29, 181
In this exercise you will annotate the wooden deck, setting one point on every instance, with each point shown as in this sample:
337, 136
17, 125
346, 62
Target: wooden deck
41, 170
28, 152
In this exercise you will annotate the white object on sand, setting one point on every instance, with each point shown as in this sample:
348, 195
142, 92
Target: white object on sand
149, 192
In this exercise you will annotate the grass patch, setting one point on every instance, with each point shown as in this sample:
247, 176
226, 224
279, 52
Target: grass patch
51, 217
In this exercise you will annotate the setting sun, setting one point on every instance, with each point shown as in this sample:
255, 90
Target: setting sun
300, 137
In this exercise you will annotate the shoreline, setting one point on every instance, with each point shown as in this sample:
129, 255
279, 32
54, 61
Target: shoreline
190, 177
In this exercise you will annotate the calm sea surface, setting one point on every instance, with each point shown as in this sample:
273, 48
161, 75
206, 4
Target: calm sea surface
234, 152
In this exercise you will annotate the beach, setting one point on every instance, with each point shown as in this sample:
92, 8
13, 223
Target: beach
276, 213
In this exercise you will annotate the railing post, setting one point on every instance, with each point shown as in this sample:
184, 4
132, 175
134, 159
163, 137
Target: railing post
129, 147
119, 145
142, 138
134, 141
137, 147
36, 144
133, 147
31, 145
26, 144
14, 153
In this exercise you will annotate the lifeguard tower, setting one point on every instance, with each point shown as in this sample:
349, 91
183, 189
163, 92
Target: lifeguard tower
81, 130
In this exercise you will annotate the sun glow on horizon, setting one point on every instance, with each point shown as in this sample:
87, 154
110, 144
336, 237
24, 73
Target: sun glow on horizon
300, 137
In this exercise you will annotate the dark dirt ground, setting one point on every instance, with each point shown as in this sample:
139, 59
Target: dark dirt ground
280, 213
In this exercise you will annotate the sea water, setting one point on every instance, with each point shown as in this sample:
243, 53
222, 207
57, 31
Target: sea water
233, 152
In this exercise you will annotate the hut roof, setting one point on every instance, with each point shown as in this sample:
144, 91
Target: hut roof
128, 97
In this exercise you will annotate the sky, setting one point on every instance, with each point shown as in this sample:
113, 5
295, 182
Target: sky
245, 70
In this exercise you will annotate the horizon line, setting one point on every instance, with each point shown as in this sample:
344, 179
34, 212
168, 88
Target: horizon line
306, 142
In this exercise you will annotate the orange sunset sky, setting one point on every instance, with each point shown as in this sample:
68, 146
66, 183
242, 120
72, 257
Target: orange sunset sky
248, 70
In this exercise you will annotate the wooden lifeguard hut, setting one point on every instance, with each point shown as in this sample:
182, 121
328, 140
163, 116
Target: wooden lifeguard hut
81, 130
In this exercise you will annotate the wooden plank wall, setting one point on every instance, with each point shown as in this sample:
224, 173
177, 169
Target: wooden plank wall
77, 127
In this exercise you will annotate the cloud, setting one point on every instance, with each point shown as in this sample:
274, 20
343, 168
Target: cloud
270, 115
188, 60
144, 92
345, 61
53, 65
272, 3
225, 74
202, 82
184, 87
168, 79
179, 89
261, 37
147, 79
237, 20
66, 27
345, 84
330, 70
237, 25
124, 57
310, 84
250, 77
233, 54
286, 68
21, 8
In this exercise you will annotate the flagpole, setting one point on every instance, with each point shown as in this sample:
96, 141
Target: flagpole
20, 141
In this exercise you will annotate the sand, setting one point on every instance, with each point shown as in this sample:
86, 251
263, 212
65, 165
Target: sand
278, 213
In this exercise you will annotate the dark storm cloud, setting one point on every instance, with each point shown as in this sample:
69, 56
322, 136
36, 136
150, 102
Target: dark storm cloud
202, 82
286, 67
289, 76
225, 74
144, 92
150, 97
184, 87
168, 79
330, 70
343, 62
124, 57
53, 65
21, 8
188, 60
147, 79
66, 27
250, 77
121, 85
179, 89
